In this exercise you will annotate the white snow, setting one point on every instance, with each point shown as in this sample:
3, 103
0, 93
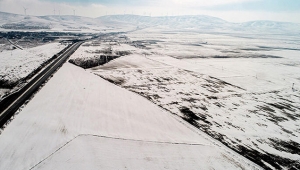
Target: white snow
243, 117
104, 122
19, 63
236, 78
106, 153
257, 109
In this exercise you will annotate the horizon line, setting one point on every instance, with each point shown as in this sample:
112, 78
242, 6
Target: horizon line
150, 16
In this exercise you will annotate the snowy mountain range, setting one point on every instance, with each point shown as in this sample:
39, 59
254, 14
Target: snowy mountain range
10, 21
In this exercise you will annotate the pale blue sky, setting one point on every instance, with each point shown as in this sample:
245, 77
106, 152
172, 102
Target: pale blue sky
230, 10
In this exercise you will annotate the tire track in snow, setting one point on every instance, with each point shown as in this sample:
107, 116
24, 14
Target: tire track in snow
116, 138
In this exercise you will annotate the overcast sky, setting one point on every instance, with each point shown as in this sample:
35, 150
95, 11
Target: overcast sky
230, 10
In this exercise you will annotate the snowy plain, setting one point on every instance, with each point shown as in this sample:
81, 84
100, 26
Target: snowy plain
79, 126
232, 81
247, 101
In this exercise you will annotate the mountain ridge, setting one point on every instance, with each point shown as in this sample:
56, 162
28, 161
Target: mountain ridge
196, 22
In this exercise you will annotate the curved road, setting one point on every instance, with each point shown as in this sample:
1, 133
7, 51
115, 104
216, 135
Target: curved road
12, 103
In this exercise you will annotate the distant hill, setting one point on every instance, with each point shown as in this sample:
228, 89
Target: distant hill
204, 23
180, 22
272, 26
50, 23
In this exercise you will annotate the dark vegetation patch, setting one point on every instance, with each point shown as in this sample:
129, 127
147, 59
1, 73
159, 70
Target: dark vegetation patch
196, 45
173, 103
167, 78
266, 108
219, 81
278, 48
218, 104
191, 117
212, 97
281, 98
155, 96
123, 53
293, 116
91, 44
270, 114
115, 80
237, 55
262, 125
37, 37
192, 100
188, 114
292, 64
158, 80
232, 125
24, 26
282, 106
254, 155
255, 49
104, 51
203, 118
208, 87
230, 51
287, 131
286, 146
6, 83
285, 109
264, 159
109, 52
204, 108
93, 61
258, 157
147, 41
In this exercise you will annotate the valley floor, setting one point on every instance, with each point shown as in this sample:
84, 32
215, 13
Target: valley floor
245, 96
85, 122
172, 100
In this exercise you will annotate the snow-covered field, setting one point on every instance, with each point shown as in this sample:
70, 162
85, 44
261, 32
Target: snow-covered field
247, 101
17, 64
214, 83
80, 127
259, 121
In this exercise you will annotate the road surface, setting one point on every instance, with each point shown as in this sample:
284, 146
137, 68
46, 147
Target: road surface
11, 104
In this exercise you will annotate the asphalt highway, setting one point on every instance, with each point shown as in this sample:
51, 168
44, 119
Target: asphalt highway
12, 103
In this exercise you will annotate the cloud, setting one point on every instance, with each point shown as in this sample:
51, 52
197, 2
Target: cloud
135, 3
204, 3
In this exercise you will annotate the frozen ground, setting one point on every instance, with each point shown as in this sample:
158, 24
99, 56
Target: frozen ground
17, 64
238, 84
79, 126
245, 101
250, 61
